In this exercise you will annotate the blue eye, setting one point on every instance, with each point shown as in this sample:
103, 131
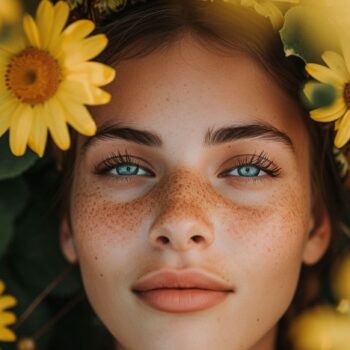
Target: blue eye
128, 169
247, 171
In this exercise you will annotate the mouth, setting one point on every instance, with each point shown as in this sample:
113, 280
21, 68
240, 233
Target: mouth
178, 291
179, 300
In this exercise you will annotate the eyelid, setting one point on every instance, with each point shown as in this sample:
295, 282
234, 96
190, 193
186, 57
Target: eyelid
262, 161
119, 158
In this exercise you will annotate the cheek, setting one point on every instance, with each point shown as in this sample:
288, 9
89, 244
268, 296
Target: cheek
102, 226
267, 243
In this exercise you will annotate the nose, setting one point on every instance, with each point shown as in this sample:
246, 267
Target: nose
183, 222
181, 231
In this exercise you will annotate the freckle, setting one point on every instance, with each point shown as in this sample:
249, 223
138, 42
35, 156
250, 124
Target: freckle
258, 320
101, 275
96, 258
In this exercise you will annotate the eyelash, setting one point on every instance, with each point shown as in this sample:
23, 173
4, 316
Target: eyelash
260, 161
115, 160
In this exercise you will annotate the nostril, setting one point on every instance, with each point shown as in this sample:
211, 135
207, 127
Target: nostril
163, 239
197, 238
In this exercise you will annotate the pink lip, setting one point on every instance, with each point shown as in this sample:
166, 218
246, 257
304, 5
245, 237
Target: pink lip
181, 291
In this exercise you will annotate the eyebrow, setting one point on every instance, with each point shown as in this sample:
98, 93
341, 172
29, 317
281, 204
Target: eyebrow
212, 137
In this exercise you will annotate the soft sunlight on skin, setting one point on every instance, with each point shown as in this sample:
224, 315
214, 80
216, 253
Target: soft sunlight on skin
253, 232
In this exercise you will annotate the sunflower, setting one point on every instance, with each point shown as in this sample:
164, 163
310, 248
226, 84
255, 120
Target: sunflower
10, 11
47, 79
269, 9
6, 318
321, 328
337, 75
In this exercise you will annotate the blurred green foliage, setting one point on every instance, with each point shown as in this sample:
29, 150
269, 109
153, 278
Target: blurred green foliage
30, 256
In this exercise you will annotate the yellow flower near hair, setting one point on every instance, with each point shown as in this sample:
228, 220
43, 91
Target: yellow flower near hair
321, 328
326, 327
269, 9
6, 318
336, 74
47, 79
10, 11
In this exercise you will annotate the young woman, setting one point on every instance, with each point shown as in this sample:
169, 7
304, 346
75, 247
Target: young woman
206, 188
204, 210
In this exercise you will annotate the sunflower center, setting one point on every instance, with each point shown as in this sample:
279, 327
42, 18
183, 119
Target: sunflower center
33, 75
347, 95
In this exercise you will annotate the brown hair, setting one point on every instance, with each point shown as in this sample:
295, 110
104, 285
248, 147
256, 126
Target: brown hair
151, 25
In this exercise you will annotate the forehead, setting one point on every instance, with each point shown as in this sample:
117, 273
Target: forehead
187, 88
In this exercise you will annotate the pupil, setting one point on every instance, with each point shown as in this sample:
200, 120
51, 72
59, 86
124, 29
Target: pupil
126, 169
248, 171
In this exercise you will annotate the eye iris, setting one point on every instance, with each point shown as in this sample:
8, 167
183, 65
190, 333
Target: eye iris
248, 171
127, 169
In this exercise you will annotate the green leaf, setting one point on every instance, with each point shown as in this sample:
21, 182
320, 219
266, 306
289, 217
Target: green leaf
38, 259
10, 165
13, 197
323, 95
308, 32
38, 317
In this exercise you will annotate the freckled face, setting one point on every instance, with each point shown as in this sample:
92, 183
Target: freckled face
238, 209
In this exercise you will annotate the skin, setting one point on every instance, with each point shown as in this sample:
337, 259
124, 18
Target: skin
253, 232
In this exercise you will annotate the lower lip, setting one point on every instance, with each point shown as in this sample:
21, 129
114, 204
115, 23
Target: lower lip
182, 300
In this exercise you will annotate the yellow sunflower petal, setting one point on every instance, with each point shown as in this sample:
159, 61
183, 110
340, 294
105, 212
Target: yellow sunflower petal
85, 49
337, 63
5, 95
270, 10
2, 287
21, 123
7, 301
85, 93
6, 335
61, 10
45, 20
38, 135
56, 123
346, 52
79, 118
343, 133
97, 73
7, 318
7, 107
13, 47
325, 75
289, 1
78, 30
329, 113
32, 31
5, 122
4, 58
336, 124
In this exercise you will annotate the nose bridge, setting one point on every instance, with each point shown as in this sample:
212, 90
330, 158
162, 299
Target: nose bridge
183, 220
184, 189
185, 185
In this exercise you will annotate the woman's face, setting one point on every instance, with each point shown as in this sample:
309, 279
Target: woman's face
222, 187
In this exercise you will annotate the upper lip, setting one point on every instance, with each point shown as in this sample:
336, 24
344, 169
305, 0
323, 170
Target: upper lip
189, 278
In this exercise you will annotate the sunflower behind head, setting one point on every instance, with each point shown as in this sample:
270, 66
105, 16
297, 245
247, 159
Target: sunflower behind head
47, 79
